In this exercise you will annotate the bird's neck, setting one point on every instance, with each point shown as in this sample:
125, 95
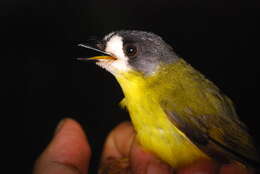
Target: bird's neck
133, 83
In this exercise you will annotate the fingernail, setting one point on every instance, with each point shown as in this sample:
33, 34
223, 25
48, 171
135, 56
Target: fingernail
59, 126
158, 167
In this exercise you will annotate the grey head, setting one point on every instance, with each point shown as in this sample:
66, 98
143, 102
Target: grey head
138, 50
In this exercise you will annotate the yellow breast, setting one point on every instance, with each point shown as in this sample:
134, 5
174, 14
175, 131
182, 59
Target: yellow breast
155, 131
157, 134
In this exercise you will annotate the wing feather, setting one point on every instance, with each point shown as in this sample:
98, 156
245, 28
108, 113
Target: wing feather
222, 138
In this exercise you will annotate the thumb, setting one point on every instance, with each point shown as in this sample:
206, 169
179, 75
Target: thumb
67, 153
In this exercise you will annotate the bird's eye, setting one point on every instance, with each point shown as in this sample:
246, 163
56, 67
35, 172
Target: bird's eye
130, 50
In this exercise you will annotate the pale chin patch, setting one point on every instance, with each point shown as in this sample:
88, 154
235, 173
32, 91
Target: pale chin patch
114, 46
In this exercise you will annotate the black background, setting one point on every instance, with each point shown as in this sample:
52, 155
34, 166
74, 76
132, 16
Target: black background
44, 84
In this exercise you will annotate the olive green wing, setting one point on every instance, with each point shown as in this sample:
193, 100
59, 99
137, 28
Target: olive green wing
222, 138
207, 117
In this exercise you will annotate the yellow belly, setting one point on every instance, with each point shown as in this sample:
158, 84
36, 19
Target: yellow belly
155, 131
157, 134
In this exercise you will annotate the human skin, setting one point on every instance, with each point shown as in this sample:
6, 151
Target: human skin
69, 153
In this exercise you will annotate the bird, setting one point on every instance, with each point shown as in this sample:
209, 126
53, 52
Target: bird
178, 114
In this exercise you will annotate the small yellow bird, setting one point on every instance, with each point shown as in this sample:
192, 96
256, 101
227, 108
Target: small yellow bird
178, 114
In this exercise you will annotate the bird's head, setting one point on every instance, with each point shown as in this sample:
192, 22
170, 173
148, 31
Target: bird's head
134, 51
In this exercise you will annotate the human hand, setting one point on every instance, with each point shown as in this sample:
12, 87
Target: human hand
69, 153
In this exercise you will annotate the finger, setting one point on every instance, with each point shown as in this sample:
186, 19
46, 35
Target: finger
121, 144
234, 169
118, 142
144, 162
203, 166
67, 153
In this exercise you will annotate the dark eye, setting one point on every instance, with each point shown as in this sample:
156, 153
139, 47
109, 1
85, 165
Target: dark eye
130, 50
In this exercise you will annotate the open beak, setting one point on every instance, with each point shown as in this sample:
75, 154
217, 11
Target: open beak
98, 58
107, 56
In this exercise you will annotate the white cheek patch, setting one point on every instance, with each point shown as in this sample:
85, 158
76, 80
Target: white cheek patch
115, 47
